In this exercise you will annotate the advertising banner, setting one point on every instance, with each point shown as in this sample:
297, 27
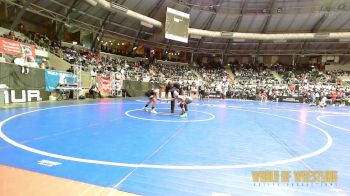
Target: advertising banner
22, 87
54, 78
12, 47
297, 99
105, 84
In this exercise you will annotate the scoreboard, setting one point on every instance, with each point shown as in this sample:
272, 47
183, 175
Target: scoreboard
176, 25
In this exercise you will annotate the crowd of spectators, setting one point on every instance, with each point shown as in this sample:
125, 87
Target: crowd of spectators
11, 35
105, 65
177, 73
44, 42
307, 77
306, 94
338, 73
250, 81
182, 74
245, 74
24, 60
212, 74
215, 81
40, 40
302, 85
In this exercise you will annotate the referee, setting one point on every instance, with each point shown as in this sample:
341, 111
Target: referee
170, 88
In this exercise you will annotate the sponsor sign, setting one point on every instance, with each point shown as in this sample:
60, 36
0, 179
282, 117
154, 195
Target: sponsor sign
54, 78
105, 84
26, 96
12, 47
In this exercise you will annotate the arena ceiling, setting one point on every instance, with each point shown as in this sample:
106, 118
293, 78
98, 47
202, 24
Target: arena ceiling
252, 16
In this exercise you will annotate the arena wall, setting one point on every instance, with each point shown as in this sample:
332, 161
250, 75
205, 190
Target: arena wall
17, 82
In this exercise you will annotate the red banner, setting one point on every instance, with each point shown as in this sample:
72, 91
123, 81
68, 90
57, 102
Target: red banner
291, 88
12, 47
105, 84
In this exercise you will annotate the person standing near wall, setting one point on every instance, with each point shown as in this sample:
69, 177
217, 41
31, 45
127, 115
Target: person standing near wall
93, 75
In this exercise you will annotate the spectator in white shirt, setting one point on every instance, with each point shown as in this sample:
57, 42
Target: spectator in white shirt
2, 59
93, 75
32, 63
21, 61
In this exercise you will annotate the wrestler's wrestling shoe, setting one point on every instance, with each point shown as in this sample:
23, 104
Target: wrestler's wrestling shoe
183, 115
153, 111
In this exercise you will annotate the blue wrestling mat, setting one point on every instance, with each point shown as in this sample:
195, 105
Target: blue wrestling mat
214, 151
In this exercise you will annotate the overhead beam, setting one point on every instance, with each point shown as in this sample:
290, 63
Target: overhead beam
20, 14
61, 26
315, 28
318, 24
44, 12
6, 10
209, 22
126, 17
151, 14
92, 16
207, 25
266, 25
100, 32
234, 29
